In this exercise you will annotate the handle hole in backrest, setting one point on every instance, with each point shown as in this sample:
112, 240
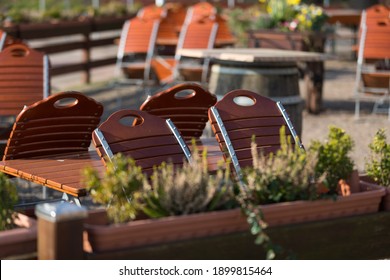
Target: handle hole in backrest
185, 94
244, 101
19, 52
131, 121
65, 102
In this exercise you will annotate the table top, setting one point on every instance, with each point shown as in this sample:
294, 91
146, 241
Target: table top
254, 55
343, 16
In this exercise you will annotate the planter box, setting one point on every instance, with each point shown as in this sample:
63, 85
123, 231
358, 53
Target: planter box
385, 205
21, 240
101, 237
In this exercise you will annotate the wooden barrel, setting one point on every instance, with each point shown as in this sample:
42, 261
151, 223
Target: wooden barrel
278, 81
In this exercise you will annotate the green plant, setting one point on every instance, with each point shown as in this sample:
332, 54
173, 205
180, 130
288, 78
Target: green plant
287, 175
8, 197
334, 161
187, 190
118, 188
378, 164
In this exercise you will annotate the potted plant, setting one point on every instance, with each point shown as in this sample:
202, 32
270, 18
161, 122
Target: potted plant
294, 186
174, 204
18, 233
378, 165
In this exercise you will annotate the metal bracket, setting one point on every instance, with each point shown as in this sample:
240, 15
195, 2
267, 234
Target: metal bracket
180, 140
289, 124
104, 143
228, 142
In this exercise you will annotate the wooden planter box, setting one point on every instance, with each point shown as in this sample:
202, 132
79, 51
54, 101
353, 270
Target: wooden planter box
20, 241
101, 237
385, 205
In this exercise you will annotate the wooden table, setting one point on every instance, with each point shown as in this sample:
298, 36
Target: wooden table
64, 172
281, 65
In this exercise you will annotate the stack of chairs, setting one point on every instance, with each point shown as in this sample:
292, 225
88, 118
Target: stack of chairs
373, 64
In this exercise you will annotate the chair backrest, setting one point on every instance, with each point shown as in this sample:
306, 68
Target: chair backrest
137, 42
24, 78
198, 35
236, 123
200, 12
374, 38
224, 35
148, 139
186, 105
152, 12
61, 123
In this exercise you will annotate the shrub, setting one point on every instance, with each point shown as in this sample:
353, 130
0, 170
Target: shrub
378, 164
8, 197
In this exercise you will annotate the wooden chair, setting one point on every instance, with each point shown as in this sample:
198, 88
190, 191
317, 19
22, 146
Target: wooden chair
224, 37
49, 142
24, 79
200, 11
152, 12
148, 139
241, 116
186, 105
136, 49
194, 35
374, 42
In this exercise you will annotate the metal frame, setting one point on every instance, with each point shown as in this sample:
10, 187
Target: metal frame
289, 124
228, 142
104, 143
180, 140
2, 40
46, 77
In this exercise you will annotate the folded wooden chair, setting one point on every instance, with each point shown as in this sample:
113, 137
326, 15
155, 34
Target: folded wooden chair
136, 49
24, 79
200, 11
194, 35
242, 116
186, 105
374, 47
148, 139
152, 12
49, 142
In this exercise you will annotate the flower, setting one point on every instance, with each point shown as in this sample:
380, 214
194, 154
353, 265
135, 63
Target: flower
291, 15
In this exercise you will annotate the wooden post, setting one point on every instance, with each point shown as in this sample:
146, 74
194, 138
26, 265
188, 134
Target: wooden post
60, 231
87, 58
314, 79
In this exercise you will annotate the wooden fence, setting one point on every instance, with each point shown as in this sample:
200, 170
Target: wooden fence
66, 29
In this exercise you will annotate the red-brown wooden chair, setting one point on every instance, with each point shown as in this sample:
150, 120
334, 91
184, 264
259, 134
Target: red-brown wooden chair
50, 140
194, 35
136, 49
186, 105
373, 67
24, 79
241, 116
148, 139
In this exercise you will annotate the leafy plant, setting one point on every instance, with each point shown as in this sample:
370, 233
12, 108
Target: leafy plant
287, 175
119, 188
8, 197
378, 164
334, 161
188, 189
